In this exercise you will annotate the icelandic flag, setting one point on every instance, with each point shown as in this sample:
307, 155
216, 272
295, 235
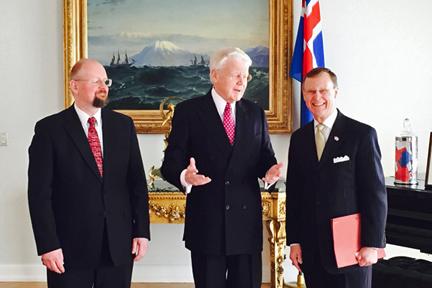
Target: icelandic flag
308, 49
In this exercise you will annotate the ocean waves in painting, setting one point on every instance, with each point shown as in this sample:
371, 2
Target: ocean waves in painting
144, 88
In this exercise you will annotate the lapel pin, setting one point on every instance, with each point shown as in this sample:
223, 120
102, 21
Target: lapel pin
336, 138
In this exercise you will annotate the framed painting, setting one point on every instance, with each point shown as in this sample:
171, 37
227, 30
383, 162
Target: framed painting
157, 52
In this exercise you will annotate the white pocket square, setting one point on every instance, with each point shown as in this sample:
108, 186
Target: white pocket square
341, 159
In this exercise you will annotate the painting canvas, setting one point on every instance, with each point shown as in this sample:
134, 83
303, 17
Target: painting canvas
154, 50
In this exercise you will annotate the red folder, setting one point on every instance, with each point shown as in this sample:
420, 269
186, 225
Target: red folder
346, 240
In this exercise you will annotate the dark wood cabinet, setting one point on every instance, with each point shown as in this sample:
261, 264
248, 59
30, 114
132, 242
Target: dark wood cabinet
409, 220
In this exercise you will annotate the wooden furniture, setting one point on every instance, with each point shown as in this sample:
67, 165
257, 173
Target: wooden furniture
409, 224
409, 219
169, 208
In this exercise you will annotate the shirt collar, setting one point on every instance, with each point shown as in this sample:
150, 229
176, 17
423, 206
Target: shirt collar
83, 116
329, 122
221, 103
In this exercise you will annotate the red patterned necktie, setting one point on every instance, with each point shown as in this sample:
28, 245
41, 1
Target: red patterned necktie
95, 146
228, 123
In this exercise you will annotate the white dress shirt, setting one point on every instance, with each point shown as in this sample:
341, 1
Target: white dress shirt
328, 125
83, 117
220, 105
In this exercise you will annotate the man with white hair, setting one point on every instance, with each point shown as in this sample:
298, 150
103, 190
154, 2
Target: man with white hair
226, 138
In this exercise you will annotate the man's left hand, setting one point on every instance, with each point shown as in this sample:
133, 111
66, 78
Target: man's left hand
139, 247
273, 173
367, 256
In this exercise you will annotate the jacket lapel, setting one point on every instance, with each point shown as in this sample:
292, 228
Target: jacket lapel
241, 135
309, 145
240, 128
216, 132
108, 139
75, 130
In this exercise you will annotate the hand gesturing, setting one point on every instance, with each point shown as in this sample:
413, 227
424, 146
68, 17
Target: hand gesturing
192, 177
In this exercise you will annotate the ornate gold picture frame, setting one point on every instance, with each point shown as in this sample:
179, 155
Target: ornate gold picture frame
279, 114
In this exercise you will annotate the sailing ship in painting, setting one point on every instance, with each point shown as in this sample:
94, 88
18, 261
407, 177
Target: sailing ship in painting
117, 62
202, 62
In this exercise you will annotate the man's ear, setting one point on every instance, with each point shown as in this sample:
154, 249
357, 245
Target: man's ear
73, 85
213, 76
336, 91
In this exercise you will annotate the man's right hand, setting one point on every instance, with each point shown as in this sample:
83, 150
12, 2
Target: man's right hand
296, 256
54, 261
192, 177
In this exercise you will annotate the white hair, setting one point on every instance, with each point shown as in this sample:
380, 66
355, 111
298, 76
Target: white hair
218, 59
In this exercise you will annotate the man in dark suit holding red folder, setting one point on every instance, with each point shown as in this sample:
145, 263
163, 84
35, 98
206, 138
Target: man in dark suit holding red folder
334, 170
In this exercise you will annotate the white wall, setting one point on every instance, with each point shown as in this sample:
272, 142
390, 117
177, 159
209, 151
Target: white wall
31, 81
380, 52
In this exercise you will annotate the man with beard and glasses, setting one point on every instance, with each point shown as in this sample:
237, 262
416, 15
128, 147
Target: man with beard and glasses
87, 189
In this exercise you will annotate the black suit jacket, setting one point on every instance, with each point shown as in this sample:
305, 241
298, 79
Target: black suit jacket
224, 216
70, 203
318, 191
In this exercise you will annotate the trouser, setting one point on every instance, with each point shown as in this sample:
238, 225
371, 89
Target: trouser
233, 271
106, 275
317, 277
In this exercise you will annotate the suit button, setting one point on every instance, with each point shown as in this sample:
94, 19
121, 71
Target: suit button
227, 207
227, 182
244, 207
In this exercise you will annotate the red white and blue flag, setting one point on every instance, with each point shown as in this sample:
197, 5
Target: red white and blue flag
308, 49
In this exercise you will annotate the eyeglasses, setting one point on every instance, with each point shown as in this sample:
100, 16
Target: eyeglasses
97, 82
243, 77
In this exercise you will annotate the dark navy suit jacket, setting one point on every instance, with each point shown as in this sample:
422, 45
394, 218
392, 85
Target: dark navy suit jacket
70, 203
318, 191
223, 217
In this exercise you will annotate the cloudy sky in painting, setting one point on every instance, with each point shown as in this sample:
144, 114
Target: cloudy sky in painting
199, 26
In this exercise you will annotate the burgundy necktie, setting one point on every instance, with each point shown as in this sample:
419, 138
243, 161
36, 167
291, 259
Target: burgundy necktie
228, 123
94, 143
